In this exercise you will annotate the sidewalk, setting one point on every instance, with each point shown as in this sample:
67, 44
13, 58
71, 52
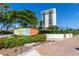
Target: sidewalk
31, 53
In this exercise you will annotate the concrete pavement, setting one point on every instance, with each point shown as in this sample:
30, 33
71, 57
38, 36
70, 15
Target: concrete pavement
31, 53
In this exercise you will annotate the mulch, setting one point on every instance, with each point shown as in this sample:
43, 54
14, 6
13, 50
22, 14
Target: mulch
16, 50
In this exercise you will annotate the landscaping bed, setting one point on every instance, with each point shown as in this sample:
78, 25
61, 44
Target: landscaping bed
17, 50
13, 45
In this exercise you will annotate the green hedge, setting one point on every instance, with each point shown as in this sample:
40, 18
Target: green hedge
20, 40
50, 31
6, 32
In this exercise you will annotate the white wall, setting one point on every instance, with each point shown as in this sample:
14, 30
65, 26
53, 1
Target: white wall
55, 35
58, 36
46, 20
54, 17
69, 35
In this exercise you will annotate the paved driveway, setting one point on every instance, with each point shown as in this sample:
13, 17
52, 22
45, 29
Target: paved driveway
63, 48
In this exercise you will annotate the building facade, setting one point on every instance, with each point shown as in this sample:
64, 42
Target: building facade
48, 17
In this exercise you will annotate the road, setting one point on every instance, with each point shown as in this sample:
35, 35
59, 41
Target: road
8, 35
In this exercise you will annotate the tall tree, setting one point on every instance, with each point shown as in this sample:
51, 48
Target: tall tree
4, 8
27, 17
9, 17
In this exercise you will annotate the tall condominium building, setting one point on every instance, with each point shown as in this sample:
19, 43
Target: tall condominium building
49, 17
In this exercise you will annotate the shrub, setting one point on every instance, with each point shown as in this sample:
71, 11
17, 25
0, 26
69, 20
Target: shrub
52, 31
38, 38
9, 42
45, 31
20, 40
6, 32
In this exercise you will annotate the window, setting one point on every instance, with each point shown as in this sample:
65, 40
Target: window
50, 18
43, 19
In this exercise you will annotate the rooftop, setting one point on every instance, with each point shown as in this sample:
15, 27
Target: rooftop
48, 10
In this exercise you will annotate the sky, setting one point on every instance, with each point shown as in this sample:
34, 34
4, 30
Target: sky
67, 13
